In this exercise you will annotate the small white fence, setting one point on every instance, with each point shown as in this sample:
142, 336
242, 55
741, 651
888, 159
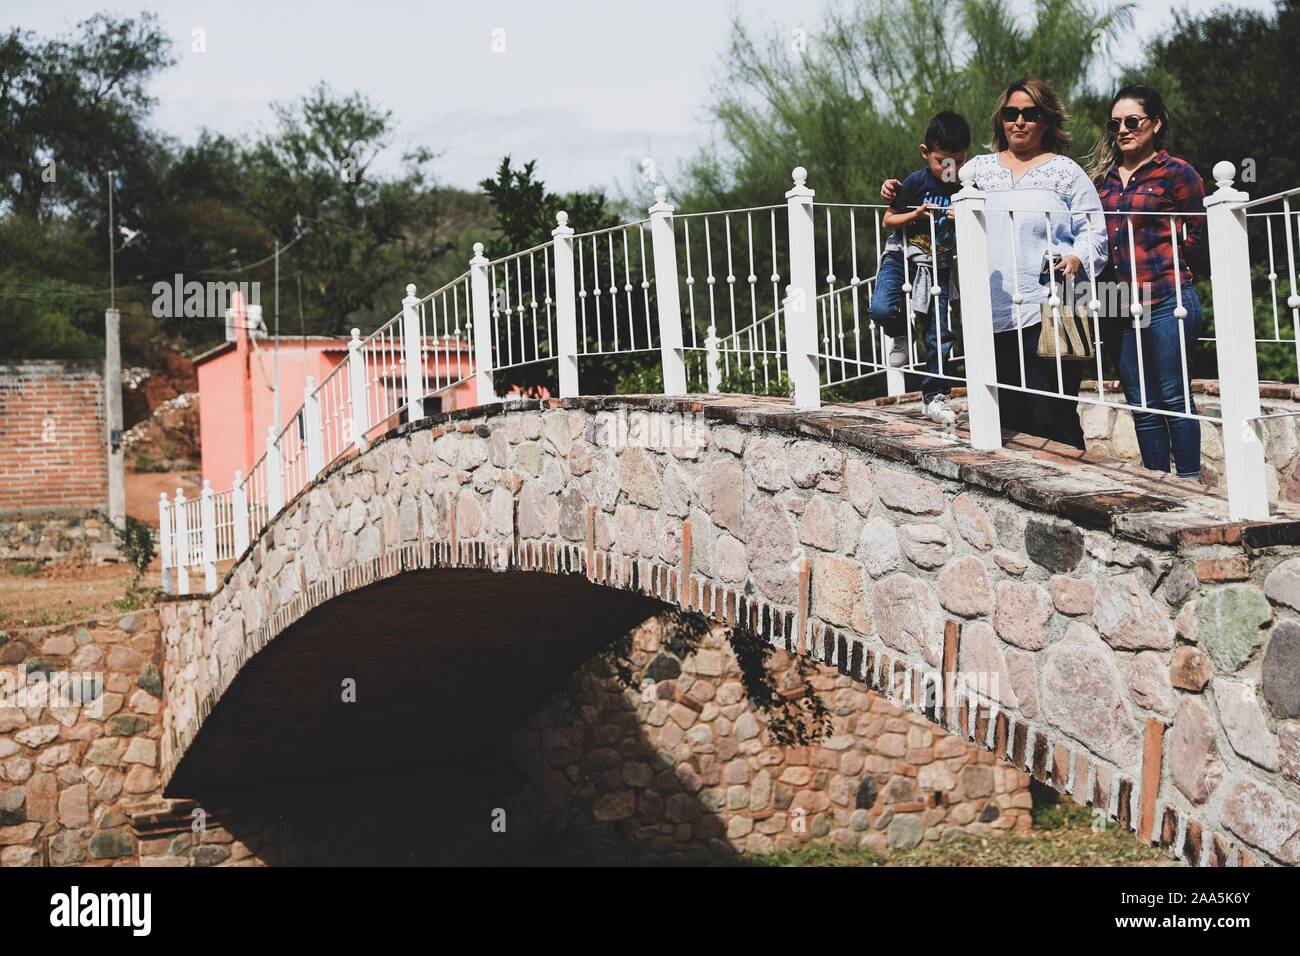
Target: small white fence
745, 300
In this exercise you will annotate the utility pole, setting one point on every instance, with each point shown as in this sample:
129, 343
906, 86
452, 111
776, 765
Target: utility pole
277, 335
113, 384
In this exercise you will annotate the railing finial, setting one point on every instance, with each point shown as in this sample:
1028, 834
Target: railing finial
562, 218
356, 334
661, 193
799, 175
410, 290
1224, 174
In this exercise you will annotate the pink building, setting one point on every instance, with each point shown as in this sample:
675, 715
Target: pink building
237, 386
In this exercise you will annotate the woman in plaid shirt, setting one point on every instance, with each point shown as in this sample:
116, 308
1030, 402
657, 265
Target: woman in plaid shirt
1166, 196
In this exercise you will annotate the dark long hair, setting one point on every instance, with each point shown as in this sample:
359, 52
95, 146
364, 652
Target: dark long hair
1106, 154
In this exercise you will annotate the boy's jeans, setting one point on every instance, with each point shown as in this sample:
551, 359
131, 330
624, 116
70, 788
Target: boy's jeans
890, 312
1162, 360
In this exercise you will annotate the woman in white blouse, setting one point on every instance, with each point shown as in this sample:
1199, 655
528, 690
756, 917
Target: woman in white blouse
1041, 207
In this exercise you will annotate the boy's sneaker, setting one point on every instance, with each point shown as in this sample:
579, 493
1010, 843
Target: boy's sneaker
939, 411
897, 352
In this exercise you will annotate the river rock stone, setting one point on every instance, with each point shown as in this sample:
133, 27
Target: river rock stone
1128, 617
1020, 614
901, 491
973, 523
1282, 670
1148, 682
1057, 547
983, 667
1083, 695
908, 616
1244, 722
1193, 755
1191, 669
1283, 583
878, 547
1264, 819
1229, 623
771, 550
964, 587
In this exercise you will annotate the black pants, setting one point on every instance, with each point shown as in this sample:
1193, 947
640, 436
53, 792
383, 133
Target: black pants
1056, 419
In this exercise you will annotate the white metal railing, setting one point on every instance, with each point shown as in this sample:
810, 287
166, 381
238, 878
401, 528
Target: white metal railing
739, 300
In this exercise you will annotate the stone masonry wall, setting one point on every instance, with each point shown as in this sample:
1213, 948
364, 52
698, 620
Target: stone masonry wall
73, 763
40, 536
687, 760
691, 768
1124, 644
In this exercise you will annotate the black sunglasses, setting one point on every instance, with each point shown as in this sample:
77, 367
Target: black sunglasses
1032, 114
1131, 123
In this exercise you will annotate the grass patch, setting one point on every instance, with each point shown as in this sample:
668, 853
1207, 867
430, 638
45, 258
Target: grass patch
1062, 835
22, 570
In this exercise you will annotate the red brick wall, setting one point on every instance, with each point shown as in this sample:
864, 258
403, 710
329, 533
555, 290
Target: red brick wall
63, 467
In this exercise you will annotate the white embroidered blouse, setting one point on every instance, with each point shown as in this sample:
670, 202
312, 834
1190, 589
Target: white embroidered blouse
1055, 198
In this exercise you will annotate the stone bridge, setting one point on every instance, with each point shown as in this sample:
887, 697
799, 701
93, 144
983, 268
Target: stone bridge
1106, 630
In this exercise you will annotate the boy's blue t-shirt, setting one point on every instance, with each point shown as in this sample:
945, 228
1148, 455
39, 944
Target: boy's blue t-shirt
919, 188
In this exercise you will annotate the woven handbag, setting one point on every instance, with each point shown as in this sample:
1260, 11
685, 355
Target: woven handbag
1071, 334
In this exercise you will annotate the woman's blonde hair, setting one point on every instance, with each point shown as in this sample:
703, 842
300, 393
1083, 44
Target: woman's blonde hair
1055, 136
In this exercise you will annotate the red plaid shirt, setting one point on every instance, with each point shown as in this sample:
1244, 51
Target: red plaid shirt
1165, 185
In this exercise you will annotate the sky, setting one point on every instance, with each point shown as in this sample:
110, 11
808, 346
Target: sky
590, 88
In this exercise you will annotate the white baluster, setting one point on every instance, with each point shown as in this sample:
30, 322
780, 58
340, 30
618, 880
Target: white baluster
314, 435
482, 305
239, 513
208, 535
977, 314
1234, 332
165, 543
274, 476
800, 310
182, 543
413, 355
566, 308
664, 245
712, 365
359, 409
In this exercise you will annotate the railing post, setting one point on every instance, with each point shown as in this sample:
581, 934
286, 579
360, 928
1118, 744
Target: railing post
800, 309
482, 305
165, 543
182, 543
664, 245
239, 513
314, 436
274, 476
566, 310
977, 314
712, 364
413, 355
208, 535
1234, 335
359, 410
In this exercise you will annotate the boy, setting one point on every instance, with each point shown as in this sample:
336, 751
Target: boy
921, 197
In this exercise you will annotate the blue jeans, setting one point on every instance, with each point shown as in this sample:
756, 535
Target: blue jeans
890, 312
1162, 370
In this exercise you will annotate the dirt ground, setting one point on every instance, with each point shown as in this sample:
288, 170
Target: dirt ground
35, 595
143, 488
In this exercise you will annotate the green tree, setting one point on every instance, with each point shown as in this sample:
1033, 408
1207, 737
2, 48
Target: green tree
362, 230
852, 102
72, 108
1229, 78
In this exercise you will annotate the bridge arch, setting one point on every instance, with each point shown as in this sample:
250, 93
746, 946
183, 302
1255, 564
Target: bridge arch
1037, 611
